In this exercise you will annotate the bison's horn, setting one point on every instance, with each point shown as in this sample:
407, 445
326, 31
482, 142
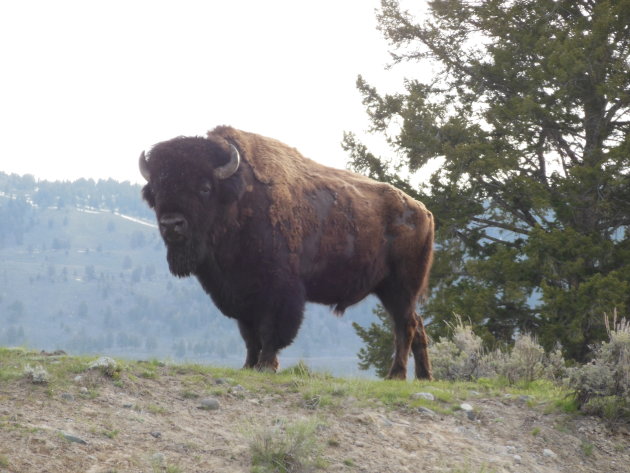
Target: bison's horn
230, 168
144, 170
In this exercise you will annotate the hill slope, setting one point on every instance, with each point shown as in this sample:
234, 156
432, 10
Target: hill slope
83, 269
145, 417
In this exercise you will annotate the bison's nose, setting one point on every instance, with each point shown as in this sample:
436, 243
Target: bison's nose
173, 227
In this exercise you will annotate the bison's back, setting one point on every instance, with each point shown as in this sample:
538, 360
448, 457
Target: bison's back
344, 232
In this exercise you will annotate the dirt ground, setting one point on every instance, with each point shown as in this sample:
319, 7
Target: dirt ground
96, 426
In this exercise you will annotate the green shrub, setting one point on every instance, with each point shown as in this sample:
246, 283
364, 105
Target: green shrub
37, 375
555, 365
463, 358
108, 366
285, 448
525, 362
602, 387
458, 358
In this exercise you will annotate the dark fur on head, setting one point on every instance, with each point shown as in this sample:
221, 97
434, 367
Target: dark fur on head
182, 150
182, 182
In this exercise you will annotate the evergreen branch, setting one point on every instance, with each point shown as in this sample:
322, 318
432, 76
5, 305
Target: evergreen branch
518, 211
542, 163
498, 240
505, 226
563, 147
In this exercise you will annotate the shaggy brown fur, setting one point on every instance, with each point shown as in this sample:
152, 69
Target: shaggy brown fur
285, 229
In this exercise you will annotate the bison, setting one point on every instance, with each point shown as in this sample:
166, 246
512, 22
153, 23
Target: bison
265, 230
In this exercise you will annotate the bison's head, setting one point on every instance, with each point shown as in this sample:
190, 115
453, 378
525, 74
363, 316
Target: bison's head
189, 182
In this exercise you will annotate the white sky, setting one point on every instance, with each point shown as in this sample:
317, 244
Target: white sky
86, 86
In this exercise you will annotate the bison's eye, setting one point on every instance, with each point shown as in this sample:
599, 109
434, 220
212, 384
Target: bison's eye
205, 189
148, 195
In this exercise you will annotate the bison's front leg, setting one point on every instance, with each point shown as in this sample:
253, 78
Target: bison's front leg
261, 344
250, 335
268, 362
278, 328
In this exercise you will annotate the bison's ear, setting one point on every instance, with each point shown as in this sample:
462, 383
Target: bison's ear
148, 196
231, 189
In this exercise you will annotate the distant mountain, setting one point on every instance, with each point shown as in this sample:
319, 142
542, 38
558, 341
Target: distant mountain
83, 269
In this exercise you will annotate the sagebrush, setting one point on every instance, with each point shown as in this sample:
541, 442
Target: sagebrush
462, 357
285, 447
602, 387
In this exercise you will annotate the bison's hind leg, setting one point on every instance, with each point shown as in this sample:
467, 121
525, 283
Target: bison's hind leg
420, 349
409, 333
400, 305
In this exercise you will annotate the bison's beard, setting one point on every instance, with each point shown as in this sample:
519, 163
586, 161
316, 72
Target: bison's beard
182, 259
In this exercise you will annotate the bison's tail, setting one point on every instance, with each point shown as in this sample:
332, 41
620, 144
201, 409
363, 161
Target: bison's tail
427, 257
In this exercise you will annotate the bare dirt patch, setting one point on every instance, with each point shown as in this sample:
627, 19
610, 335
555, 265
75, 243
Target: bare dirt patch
97, 424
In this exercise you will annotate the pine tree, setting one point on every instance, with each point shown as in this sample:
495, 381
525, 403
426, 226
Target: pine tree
528, 116
378, 339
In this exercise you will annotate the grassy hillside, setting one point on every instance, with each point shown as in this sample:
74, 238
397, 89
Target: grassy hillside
58, 414
82, 268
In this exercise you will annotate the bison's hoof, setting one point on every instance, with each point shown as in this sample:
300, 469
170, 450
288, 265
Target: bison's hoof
268, 367
398, 375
